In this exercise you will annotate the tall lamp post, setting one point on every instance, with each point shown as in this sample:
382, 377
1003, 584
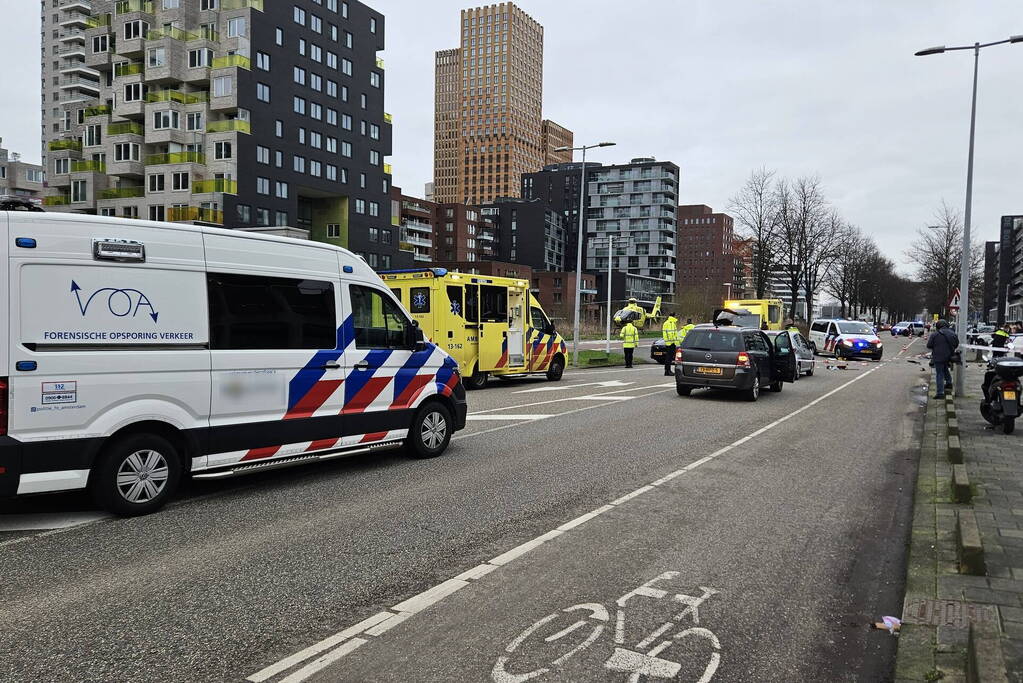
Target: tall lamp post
623, 240
579, 245
964, 264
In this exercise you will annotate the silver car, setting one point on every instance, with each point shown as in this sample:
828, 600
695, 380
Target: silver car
804, 352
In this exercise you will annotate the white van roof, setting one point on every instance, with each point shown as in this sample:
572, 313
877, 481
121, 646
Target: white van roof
26, 220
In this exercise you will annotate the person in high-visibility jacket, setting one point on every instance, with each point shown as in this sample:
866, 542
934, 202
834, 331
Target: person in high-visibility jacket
669, 330
999, 339
630, 340
685, 329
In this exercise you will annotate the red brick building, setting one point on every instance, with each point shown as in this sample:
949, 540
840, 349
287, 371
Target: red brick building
706, 258
556, 292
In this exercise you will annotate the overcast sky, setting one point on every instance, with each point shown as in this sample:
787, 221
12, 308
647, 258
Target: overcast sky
719, 88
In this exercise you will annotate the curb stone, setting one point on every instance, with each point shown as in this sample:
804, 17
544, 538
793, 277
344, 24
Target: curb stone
985, 662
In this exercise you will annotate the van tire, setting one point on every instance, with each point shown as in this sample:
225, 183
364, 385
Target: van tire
556, 369
136, 454
430, 432
477, 380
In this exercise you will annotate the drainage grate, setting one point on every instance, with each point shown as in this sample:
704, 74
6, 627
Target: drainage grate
947, 613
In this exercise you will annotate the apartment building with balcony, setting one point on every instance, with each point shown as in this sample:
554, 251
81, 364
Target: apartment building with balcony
415, 220
706, 257
529, 232
17, 178
246, 114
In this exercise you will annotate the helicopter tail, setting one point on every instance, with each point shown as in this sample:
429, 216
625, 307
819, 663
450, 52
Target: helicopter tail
657, 308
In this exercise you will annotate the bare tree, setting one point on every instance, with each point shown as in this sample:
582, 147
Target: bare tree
801, 210
841, 279
824, 239
938, 252
755, 210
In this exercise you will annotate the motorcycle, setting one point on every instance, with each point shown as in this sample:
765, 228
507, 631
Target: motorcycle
1001, 390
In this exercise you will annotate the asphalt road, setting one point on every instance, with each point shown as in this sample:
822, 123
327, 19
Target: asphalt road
784, 534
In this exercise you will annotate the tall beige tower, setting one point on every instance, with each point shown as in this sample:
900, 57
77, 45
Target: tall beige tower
491, 104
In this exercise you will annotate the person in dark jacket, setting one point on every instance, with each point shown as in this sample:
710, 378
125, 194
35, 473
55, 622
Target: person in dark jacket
943, 342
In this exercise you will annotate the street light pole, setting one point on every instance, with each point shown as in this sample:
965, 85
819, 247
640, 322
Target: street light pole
965, 262
579, 245
610, 262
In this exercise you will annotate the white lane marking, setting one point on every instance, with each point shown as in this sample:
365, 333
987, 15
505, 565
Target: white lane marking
325, 661
325, 644
597, 397
434, 595
46, 521
507, 557
388, 624
528, 418
417, 603
563, 387
562, 400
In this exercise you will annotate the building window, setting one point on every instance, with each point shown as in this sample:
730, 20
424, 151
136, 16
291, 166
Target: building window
156, 56
157, 183
281, 190
281, 218
263, 61
133, 30
374, 234
101, 44
126, 151
244, 213
299, 16
315, 111
298, 164
315, 53
315, 139
93, 136
222, 86
315, 168
346, 149
279, 128
360, 206
278, 158
333, 230
315, 23
262, 216
332, 145
374, 131
372, 25
374, 79
60, 167
279, 36
346, 121
223, 150
163, 120
193, 120
134, 92
332, 60
346, 67
262, 92
78, 190
299, 105
262, 154
299, 75
331, 172
156, 213
262, 186
208, 4
374, 157
179, 181
374, 209
201, 57
236, 27
316, 82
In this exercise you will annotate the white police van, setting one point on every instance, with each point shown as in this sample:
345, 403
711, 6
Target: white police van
134, 353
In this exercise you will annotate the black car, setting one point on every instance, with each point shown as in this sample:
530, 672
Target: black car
736, 358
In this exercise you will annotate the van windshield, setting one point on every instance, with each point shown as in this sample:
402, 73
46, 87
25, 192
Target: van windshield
713, 340
855, 328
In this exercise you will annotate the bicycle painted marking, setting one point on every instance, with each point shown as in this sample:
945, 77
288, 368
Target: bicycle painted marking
642, 659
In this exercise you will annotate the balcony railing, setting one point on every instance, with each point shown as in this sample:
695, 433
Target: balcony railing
229, 125
59, 145
380, 63
99, 110
195, 213
125, 6
215, 185
178, 96
240, 61
207, 33
88, 165
242, 4
388, 118
57, 200
123, 192
176, 158
172, 32
126, 128
98, 20
128, 68
388, 169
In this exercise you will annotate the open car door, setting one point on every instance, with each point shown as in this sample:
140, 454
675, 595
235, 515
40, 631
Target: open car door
785, 361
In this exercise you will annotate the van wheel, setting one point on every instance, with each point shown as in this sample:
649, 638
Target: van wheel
683, 391
477, 380
430, 432
136, 475
753, 393
556, 369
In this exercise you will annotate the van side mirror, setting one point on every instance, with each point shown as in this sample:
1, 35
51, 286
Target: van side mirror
419, 340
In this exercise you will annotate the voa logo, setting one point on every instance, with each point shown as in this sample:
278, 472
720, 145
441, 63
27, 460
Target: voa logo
119, 302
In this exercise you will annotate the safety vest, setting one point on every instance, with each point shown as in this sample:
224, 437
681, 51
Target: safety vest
686, 329
999, 338
794, 329
630, 336
670, 331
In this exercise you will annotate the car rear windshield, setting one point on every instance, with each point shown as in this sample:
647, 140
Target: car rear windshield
855, 328
713, 340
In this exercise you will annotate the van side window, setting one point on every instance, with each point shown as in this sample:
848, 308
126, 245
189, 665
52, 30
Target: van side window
257, 312
540, 322
472, 302
379, 323
494, 308
455, 299
819, 326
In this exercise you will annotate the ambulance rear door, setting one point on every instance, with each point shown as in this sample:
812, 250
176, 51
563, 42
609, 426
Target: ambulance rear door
493, 327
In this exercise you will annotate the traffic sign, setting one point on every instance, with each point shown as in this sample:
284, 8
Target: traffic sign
953, 302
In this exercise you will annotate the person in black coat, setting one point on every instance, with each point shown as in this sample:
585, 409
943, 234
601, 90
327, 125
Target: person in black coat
943, 343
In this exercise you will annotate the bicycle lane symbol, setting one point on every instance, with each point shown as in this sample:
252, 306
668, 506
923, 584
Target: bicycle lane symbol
589, 621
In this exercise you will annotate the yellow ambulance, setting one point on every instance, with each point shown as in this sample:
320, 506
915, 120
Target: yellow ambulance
760, 313
490, 325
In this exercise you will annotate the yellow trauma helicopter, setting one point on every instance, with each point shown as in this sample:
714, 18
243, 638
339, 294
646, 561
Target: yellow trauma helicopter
638, 315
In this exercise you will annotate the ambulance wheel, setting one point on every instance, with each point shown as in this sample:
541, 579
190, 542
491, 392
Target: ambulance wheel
477, 380
557, 369
136, 475
430, 432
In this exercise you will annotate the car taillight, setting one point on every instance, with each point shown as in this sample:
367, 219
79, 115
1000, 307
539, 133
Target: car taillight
678, 356
3, 406
743, 360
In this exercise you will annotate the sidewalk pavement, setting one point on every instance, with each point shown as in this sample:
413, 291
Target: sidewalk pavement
963, 611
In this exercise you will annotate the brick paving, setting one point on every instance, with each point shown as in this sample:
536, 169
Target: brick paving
994, 464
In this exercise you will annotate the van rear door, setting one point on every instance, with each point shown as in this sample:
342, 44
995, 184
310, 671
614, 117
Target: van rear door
494, 351
5, 281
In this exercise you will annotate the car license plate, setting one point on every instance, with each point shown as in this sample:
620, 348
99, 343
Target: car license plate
709, 371
1011, 395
